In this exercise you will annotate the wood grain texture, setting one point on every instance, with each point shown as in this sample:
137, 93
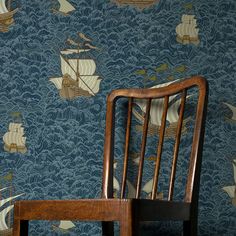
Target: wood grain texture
129, 212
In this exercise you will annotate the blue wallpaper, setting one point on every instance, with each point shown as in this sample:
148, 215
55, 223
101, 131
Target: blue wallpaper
132, 47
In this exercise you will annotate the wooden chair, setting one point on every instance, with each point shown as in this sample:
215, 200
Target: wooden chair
129, 212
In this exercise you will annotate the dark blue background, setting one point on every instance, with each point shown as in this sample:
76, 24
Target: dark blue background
65, 138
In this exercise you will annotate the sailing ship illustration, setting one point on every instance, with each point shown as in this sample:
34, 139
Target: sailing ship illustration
6, 15
233, 110
64, 226
78, 72
231, 190
6, 206
141, 4
65, 7
187, 31
14, 140
156, 114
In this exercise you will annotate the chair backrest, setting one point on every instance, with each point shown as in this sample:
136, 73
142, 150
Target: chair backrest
163, 97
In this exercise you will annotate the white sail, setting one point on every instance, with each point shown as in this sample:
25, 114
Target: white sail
3, 213
71, 51
65, 6
233, 109
57, 82
116, 184
73, 63
147, 188
131, 190
21, 131
172, 114
69, 67
14, 126
194, 22
90, 83
3, 8
158, 105
187, 18
188, 27
4, 201
10, 138
230, 190
66, 224
86, 66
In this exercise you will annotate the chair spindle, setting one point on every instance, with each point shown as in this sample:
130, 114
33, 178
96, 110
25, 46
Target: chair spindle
127, 140
176, 147
143, 146
159, 147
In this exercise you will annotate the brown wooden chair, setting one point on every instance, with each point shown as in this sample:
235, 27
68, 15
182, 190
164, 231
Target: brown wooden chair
129, 212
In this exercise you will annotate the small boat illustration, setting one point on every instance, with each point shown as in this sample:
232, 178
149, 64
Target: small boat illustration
187, 31
233, 110
141, 4
5, 228
14, 140
156, 111
64, 226
78, 73
6, 15
231, 190
65, 7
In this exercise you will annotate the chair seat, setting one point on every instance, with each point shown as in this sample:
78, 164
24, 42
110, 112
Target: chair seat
160, 105
101, 209
151, 210
82, 209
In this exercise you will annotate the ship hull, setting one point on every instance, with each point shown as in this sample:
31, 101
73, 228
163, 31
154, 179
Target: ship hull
6, 20
72, 93
138, 3
7, 15
14, 148
186, 39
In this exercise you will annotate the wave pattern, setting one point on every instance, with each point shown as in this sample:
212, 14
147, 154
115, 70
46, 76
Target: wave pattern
65, 138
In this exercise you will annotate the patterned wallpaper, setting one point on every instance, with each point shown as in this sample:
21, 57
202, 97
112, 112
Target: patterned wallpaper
52, 123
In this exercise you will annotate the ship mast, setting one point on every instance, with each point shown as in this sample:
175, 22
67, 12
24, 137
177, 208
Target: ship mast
77, 70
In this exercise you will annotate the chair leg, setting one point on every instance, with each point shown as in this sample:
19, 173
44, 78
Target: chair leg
126, 228
20, 227
128, 222
190, 227
107, 228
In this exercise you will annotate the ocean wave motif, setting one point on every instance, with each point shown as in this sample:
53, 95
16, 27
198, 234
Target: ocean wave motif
65, 138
